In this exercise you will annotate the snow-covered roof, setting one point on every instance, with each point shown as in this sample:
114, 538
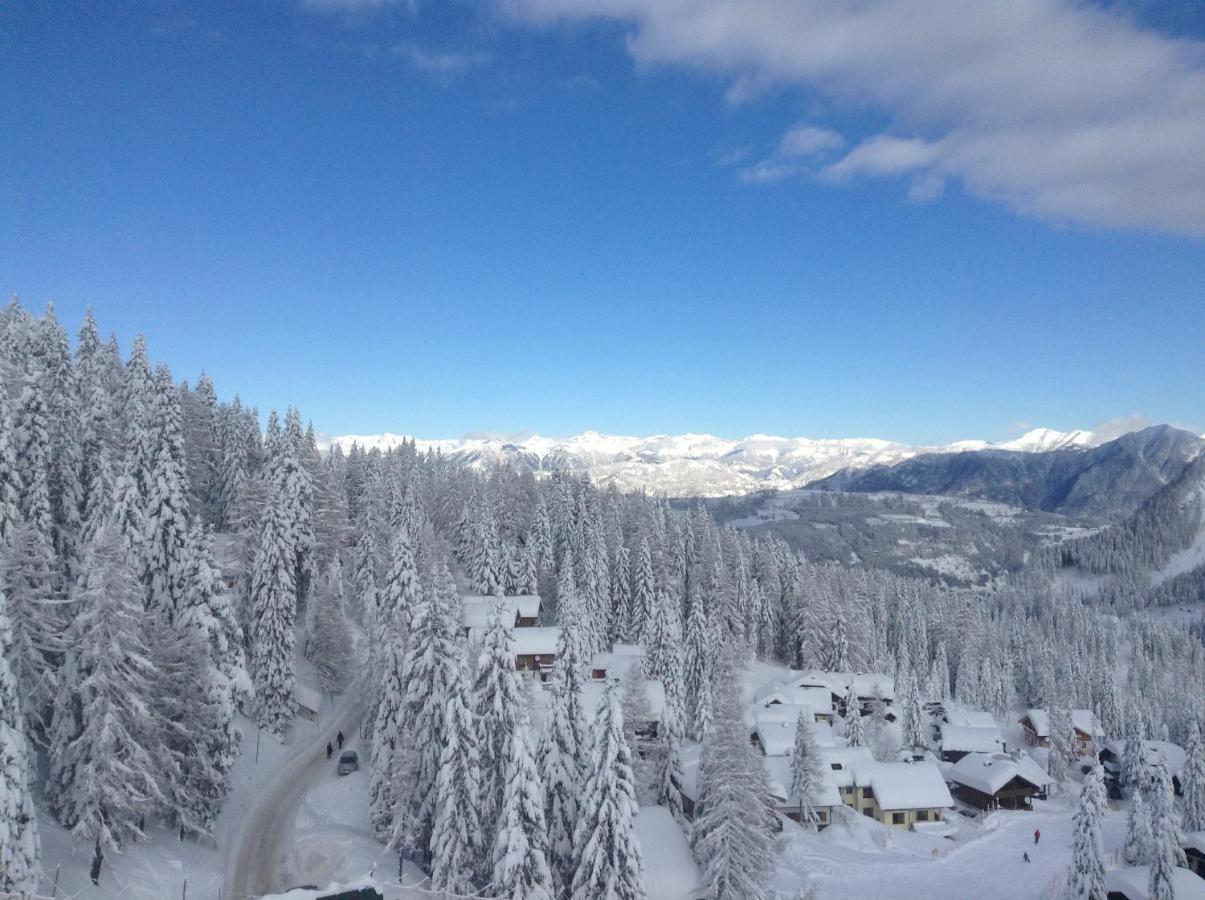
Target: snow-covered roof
988, 772
622, 649
901, 785
864, 683
971, 740
778, 738
780, 774
965, 717
1170, 755
818, 699
670, 870
1081, 719
850, 761
307, 697
1195, 840
477, 608
617, 664
1133, 882
535, 641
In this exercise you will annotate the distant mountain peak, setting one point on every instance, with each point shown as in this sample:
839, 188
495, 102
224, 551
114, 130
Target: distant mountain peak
695, 464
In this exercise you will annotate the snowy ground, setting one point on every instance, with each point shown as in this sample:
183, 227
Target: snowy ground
985, 861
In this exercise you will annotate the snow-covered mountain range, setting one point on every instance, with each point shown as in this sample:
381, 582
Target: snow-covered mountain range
701, 464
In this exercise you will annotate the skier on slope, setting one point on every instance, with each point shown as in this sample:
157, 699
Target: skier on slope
329, 750
1037, 835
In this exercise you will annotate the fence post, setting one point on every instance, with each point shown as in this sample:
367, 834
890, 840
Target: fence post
54, 890
184, 890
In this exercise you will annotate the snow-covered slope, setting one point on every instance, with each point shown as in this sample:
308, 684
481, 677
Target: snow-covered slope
700, 464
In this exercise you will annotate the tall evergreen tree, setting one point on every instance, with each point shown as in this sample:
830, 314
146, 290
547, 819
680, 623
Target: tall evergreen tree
1167, 843
1086, 881
1192, 781
1137, 849
520, 848
115, 762
330, 645
608, 860
273, 612
807, 769
456, 835
37, 624
497, 702
386, 732
10, 474
855, 732
166, 501
19, 846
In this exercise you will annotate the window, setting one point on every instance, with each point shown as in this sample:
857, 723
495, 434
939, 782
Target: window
867, 793
897, 818
868, 812
836, 767
922, 816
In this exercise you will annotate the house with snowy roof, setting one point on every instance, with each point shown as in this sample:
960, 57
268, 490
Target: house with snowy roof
1158, 753
775, 736
825, 798
1133, 883
869, 688
1194, 851
593, 691
517, 612
904, 794
1036, 726
535, 649
818, 699
998, 780
617, 662
956, 741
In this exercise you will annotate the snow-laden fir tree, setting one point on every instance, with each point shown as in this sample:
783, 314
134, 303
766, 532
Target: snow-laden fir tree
1192, 781
608, 861
855, 731
1062, 741
643, 592
36, 623
668, 777
1137, 849
456, 838
1167, 843
807, 770
195, 731
520, 848
61, 395
273, 612
698, 663
330, 645
564, 752
734, 828
939, 675
10, 475
64, 729
1135, 773
166, 500
498, 704
115, 762
637, 713
1086, 880
913, 730
19, 847
386, 732
33, 455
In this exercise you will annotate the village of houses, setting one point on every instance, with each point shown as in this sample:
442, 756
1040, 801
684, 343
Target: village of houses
975, 765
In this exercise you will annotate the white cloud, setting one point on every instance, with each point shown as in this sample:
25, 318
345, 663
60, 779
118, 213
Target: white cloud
1060, 110
440, 64
809, 140
768, 171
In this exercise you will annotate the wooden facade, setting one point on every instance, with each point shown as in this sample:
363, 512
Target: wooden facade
1017, 794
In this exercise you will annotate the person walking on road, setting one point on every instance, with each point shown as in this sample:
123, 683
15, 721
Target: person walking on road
1026, 856
1037, 836
339, 740
329, 750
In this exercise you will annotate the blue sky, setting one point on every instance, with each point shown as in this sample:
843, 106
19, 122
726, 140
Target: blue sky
439, 218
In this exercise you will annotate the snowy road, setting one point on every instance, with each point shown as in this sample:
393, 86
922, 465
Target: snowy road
264, 839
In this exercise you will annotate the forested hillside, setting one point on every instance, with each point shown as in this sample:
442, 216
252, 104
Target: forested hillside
167, 565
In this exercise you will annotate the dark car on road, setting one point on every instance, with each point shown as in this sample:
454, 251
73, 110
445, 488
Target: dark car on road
349, 761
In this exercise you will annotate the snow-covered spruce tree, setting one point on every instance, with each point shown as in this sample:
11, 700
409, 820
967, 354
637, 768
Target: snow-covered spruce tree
33, 455
36, 624
1192, 781
855, 731
330, 645
1086, 880
807, 769
1062, 742
1135, 773
10, 475
166, 500
206, 607
734, 828
608, 862
520, 848
386, 732
564, 752
913, 731
364, 577
115, 760
19, 848
64, 729
290, 472
1167, 841
1137, 850
456, 837
939, 675
637, 713
668, 777
426, 673
273, 612
199, 409
64, 463
498, 705
698, 664
194, 731
643, 591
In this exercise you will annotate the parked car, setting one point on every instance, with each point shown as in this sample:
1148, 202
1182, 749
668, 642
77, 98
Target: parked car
349, 761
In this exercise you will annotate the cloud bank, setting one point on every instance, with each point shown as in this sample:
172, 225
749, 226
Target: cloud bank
1062, 111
